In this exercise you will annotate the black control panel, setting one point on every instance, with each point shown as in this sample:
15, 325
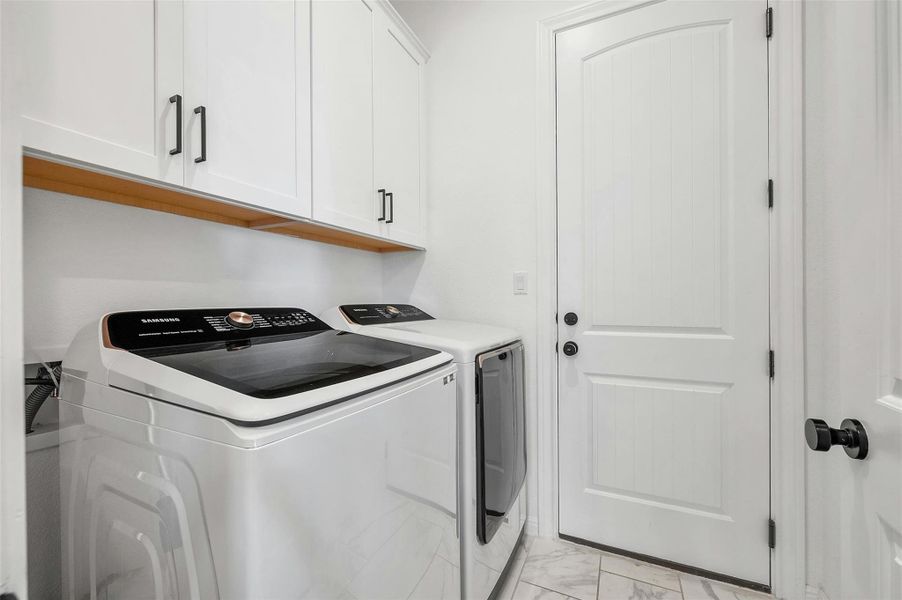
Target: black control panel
140, 330
378, 314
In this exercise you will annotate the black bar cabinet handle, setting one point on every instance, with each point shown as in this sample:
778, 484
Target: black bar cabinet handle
382, 218
202, 111
391, 207
177, 100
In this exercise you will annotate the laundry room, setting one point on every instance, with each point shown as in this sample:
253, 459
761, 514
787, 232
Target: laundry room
451, 299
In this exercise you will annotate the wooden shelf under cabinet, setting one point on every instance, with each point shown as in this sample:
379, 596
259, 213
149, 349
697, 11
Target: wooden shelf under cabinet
68, 179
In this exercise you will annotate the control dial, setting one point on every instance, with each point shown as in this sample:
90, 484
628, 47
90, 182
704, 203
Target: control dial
240, 319
393, 311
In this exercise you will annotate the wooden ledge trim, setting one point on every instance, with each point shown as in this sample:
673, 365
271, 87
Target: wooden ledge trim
68, 179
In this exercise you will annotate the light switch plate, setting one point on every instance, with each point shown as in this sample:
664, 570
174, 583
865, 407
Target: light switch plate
521, 282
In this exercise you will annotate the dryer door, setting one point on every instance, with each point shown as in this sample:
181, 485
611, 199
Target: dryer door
500, 436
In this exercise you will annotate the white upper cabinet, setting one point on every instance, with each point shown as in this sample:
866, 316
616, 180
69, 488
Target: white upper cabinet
247, 85
95, 81
366, 120
343, 192
396, 112
308, 109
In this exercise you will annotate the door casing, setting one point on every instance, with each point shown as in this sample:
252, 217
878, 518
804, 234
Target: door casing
786, 271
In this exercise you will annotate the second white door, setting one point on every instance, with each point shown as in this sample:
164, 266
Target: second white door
663, 257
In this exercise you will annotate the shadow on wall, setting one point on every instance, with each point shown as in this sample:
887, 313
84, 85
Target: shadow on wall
400, 273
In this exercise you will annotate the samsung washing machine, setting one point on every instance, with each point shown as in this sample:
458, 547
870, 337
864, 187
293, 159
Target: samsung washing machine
255, 453
491, 428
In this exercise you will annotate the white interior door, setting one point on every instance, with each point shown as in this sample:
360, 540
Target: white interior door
343, 189
663, 255
248, 64
855, 372
396, 110
96, 79
853, 302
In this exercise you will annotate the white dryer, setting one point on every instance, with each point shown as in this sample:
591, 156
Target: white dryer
254, 453
491, 426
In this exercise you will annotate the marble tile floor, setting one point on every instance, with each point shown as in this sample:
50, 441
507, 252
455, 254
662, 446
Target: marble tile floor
548, 569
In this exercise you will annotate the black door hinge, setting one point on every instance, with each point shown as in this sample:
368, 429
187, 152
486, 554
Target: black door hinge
555, 347
770, 193
771, 533
769, 22
772, 367
555, 317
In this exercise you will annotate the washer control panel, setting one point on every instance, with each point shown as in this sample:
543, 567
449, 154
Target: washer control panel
379, 314
139, 330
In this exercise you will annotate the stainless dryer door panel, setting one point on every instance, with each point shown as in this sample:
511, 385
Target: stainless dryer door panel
500, 436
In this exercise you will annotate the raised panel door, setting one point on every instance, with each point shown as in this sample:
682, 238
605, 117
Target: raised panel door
664, 253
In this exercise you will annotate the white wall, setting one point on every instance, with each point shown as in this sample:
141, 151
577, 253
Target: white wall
84, 258
480, 166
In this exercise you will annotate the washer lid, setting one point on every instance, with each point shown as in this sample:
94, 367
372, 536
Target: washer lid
278, 366
251, 366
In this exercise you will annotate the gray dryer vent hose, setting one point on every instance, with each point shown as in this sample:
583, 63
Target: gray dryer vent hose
40, 393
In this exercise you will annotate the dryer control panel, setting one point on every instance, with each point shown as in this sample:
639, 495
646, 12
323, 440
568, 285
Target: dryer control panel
380, 314
140, 330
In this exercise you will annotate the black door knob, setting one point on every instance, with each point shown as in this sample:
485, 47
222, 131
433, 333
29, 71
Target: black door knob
571, 318
570, 348
851, 436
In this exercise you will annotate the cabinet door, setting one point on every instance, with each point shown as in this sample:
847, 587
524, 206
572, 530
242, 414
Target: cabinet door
397, 131
343, 191
95, 79
247, 64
